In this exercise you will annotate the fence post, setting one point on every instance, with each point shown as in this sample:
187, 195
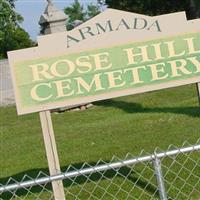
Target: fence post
159, 178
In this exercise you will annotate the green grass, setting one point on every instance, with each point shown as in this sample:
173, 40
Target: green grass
112, 127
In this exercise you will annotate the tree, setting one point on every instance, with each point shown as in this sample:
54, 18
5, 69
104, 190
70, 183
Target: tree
157, 7
12, 3
76, 12
195, 8
92, 10
12, 36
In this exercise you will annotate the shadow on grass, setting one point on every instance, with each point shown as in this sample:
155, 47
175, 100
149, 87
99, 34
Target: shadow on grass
137, 108
124, 172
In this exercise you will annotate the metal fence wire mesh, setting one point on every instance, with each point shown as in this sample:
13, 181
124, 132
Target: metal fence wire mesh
173, 174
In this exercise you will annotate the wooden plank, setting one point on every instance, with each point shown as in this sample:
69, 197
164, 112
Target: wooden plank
51, 152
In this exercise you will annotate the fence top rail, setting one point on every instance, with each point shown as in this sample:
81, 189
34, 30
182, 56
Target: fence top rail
98, 168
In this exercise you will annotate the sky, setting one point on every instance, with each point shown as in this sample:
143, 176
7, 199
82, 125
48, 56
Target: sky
31, 10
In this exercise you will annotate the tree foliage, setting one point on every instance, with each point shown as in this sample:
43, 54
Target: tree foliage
12, 36
195, 8
92, 10
76, 12
157, 7
12, 3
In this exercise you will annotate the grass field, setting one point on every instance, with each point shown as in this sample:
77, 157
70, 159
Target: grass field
112, 127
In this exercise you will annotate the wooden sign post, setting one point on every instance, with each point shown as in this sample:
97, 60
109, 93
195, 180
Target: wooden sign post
51, 152
50, 26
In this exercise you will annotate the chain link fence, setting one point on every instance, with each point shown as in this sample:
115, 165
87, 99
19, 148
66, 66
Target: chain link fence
171, 174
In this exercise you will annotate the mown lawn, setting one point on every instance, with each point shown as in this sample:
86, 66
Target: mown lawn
112, 127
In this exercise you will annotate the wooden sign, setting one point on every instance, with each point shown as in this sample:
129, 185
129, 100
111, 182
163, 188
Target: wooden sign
49, 82
116, 53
